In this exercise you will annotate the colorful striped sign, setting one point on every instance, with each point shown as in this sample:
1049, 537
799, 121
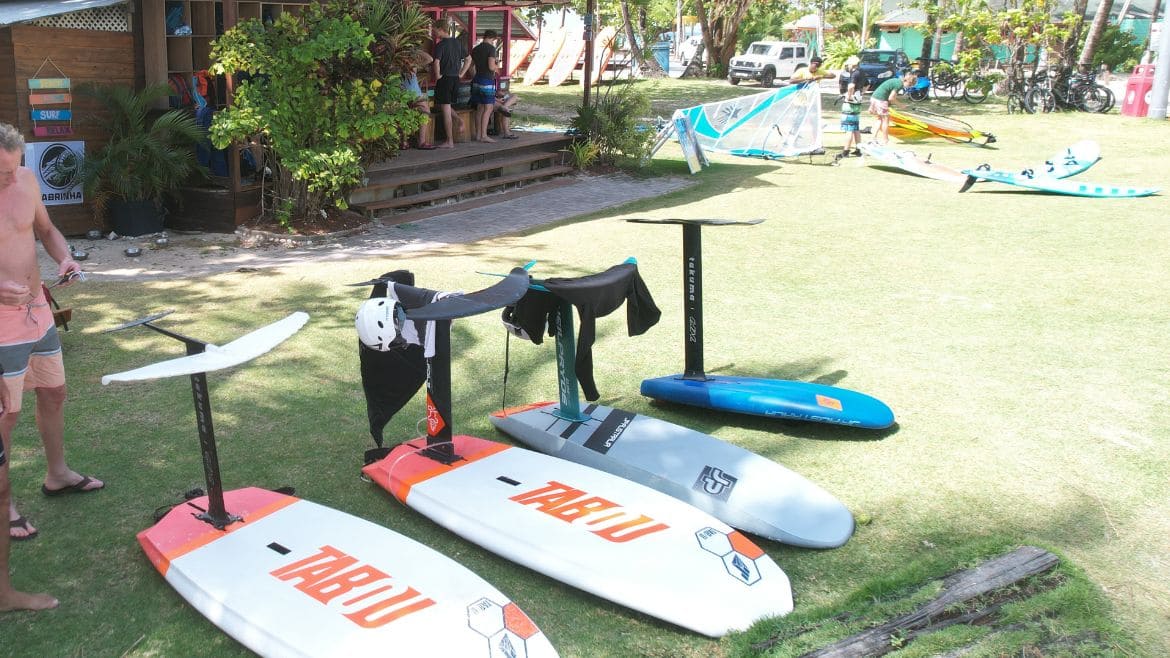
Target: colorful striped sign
53, 131
48, 83
49, 99
51, 115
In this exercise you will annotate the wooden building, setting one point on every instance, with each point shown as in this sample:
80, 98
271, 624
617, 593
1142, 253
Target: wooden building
141, 42
83, 41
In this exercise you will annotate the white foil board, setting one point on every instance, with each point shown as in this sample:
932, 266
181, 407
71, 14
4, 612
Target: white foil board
295, 578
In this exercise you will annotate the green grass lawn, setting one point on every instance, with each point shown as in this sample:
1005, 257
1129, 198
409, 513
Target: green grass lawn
1019, 338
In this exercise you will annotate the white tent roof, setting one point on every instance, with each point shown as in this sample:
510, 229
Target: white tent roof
22, 12
807, 22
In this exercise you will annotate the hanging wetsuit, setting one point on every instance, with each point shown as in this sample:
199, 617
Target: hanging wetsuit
391, 378
595, 296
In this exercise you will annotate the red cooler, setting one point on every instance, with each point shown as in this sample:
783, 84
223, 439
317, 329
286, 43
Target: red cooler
1137, 91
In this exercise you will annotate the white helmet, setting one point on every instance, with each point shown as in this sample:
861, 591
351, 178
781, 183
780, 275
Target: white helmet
377, 323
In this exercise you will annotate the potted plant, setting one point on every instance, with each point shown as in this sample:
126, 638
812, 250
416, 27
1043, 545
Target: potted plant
148, 156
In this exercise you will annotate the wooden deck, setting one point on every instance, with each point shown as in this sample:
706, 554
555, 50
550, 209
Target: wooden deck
419, 179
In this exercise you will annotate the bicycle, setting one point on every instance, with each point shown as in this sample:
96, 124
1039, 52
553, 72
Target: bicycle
1017, 90
1069, 90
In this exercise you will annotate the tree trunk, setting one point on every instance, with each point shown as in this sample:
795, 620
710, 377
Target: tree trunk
1074, 38
635, 50
1099, 22
1003, 571
720, 24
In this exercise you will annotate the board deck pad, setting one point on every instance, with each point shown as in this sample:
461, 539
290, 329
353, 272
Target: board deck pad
603, 534
295, 578
744, 490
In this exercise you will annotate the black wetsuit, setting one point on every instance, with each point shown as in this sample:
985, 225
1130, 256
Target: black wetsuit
595, 296
391, 378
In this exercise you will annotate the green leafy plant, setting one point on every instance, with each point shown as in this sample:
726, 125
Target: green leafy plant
612, 123
1116, 50
322, 90
149, 154
584, 153
838, 49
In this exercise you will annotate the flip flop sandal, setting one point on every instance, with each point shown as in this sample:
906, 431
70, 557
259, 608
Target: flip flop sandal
78, 488
22, 523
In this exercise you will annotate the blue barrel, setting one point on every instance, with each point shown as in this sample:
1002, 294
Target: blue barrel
661, 51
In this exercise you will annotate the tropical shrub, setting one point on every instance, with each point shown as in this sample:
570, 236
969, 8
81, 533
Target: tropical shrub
323, 90
149, 154
611, 123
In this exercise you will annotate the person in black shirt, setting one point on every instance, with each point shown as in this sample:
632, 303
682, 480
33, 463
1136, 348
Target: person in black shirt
451, 62
483, 85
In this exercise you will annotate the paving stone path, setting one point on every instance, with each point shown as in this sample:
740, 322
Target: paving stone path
203, 254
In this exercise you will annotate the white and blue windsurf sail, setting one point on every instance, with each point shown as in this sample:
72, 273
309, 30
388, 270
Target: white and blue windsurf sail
775, 124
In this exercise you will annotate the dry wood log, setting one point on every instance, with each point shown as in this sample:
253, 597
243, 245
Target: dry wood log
991, 575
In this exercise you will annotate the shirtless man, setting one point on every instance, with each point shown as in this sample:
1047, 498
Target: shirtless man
30, 351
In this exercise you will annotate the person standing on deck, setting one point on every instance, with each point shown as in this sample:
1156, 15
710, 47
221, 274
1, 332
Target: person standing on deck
450, 64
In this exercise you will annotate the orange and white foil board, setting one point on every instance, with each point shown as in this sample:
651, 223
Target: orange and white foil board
519, 50
602, 52
567, 60
295, 578
601, 533
545, 56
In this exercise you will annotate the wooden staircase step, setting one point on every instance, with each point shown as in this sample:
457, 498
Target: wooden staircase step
440, 173
465, 188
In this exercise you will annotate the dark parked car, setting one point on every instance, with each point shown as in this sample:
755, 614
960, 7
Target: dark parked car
881, 65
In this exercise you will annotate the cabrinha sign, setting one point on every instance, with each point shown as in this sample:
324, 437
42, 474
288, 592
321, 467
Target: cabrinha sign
58, 169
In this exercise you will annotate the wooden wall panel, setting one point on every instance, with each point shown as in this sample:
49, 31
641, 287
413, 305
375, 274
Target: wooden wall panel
84, 56
7, 78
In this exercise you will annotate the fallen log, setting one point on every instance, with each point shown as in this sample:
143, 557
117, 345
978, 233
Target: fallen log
994, 574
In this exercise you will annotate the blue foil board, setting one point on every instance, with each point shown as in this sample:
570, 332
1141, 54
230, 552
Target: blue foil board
774, 398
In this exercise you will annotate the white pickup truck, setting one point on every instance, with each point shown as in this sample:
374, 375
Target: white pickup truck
767, 60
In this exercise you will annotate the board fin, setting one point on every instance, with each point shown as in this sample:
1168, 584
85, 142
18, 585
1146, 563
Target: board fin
971, 180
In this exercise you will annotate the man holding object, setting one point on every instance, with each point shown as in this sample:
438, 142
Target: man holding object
30, 350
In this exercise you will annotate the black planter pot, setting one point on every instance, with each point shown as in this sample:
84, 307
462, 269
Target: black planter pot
132, 218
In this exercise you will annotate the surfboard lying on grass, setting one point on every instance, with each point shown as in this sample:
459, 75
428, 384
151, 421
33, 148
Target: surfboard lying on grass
294, 578
1069, 162
1044, 183
598, 532
287, 577
772, 398
740, 488
908, 161
614, 538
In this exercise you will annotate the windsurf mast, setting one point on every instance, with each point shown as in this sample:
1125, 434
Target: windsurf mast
216, 513
693, 286
440, 447
568, 392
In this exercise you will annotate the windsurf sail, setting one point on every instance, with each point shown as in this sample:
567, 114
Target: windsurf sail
775, 124
919, 124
